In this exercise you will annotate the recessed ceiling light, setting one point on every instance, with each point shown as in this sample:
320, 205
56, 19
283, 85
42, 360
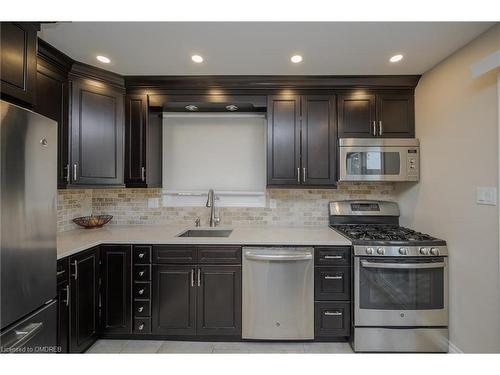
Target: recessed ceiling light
396, 58
191, 107
197, 58
296, 59
103, 59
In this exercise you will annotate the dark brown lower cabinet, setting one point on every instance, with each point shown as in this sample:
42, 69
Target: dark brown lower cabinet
332, 319
63, 302
116, 295
219, 301
84, 306
174, 300
196, 300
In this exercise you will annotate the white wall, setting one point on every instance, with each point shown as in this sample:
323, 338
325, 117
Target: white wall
457, 121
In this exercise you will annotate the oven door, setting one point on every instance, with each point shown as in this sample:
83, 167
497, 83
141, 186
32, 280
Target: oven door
401, 292
378, 163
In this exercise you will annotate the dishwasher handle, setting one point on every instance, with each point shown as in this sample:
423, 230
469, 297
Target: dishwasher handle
278, 257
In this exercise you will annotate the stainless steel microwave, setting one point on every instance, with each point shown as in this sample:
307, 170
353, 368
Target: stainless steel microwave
379, 159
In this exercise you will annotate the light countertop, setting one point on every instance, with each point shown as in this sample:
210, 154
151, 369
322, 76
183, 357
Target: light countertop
76, 240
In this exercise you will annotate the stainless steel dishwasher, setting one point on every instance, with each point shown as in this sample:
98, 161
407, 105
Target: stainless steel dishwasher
278, 293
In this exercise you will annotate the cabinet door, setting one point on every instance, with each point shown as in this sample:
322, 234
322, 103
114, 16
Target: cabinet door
219, 300
319, 136
283, 140
332, 283
116, 288
84, 307
174, 300
396, 115
52, 102
18, 60
356, 115
97, 134
136, 119
63, 301
332, 319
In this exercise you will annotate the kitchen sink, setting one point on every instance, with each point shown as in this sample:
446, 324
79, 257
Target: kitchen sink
206, 233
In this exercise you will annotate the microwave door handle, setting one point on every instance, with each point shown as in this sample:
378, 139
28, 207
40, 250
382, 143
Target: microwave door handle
367, 264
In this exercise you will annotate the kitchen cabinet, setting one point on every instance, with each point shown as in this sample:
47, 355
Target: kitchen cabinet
301, 148
18, 61
116, 270
84, 304
97, 133
143, 143
386, 115
63, 302
52, 101
199, 292
142, 288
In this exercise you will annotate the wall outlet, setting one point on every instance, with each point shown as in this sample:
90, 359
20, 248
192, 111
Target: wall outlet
153, 203
486, 195
272, 203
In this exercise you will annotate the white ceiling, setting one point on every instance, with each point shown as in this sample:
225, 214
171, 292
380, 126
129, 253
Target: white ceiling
328, 48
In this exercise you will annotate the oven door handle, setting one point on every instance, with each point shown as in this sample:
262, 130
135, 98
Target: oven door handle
367, 264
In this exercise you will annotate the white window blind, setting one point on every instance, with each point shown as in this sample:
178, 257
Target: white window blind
224, 152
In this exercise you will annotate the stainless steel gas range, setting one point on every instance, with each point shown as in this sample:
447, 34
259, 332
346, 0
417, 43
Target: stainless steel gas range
400, 280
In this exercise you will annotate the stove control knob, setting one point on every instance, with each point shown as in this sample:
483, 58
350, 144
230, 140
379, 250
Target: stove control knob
434, 251
424, 251
403, 250
369, 250
380, 251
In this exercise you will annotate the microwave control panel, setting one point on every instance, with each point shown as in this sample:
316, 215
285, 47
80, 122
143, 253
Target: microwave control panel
412, 164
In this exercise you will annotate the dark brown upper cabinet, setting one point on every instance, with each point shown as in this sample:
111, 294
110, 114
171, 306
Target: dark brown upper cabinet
97, 133
301, 144
143, 143
52, 101
389, 115
18, 41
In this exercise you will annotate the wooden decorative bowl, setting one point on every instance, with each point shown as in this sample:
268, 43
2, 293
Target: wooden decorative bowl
89, 222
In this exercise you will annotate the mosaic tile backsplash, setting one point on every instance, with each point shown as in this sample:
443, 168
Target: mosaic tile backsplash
294, 207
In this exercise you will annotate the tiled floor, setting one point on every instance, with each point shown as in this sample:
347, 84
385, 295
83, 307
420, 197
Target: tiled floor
154, 346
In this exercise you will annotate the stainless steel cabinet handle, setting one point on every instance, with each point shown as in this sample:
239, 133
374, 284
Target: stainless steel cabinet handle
199, 277
333, 256
68, 171
74, 172
141, 273
304, 174
143, 173
141, 291
334, 277
374, 129
192, 277
140, 309
410, 266
298, 174
67, 295
75, 264
141, 255
141, 326
332, 313
278, 257
380, 128
59, 273
24, 335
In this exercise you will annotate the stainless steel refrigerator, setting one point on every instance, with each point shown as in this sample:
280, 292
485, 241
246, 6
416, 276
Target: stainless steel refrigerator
28, 162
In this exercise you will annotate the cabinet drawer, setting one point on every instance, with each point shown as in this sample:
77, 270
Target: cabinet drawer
142, 308
174, 254
332, 283
332, 319
142, 290
62, 270
142, 254
333, 255
142, 272
142, 325
219, 254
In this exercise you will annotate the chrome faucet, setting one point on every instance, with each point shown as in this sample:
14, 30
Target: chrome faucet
214, 220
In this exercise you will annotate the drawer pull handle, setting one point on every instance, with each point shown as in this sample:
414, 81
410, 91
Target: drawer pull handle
140, 309
141, 326
141, 273
332, 313
141, 255
59, 273
333, 257
334, 277
141, 291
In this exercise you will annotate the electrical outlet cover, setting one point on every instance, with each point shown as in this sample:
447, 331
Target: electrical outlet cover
486, 195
